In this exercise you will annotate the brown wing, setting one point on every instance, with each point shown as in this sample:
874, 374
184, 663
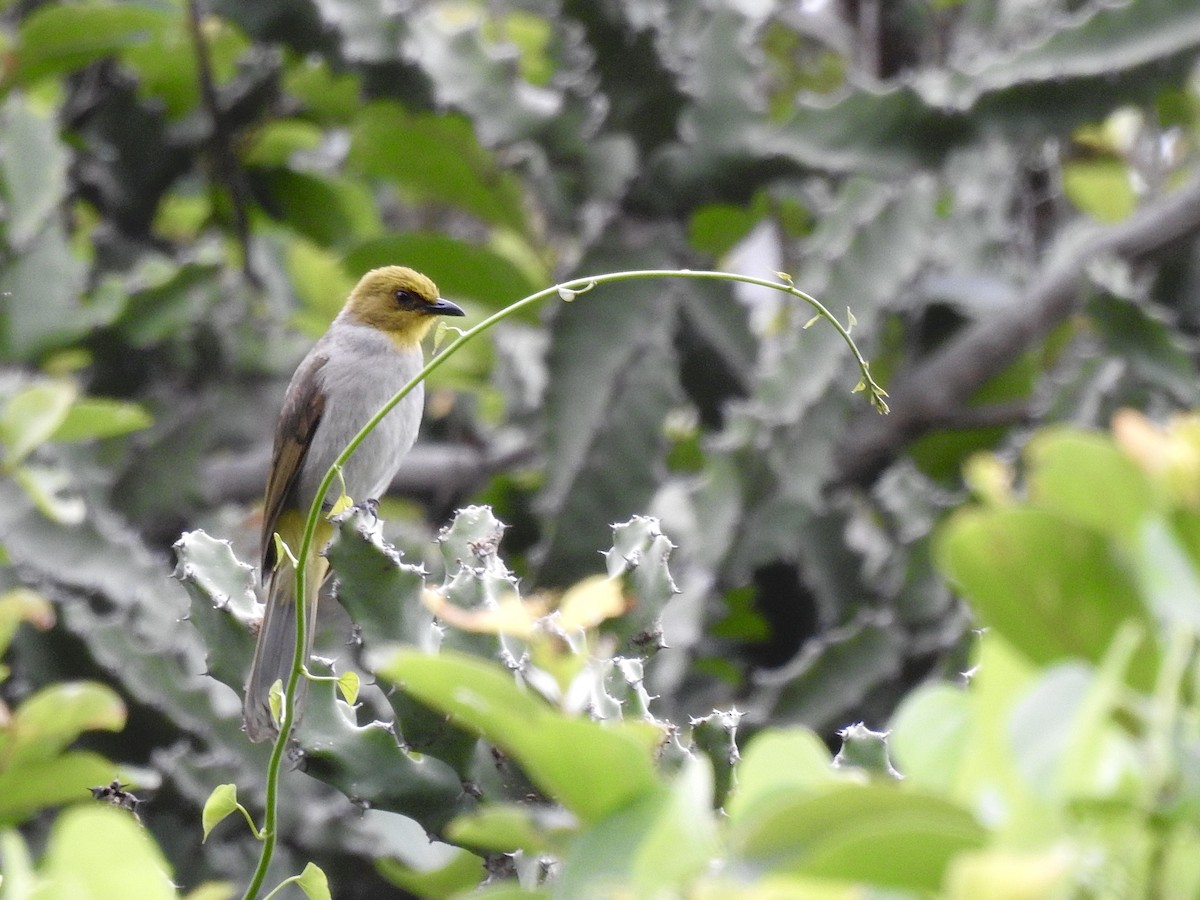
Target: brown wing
298, 420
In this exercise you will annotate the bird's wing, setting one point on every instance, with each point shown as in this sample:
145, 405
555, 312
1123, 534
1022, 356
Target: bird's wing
302, 410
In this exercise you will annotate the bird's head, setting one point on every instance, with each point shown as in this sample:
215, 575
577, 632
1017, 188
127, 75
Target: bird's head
399, 302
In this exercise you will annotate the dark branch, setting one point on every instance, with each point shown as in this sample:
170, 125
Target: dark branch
936, 391
225, 166
430, 470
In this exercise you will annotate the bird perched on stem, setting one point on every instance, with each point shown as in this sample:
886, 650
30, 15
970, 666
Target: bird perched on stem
371, 350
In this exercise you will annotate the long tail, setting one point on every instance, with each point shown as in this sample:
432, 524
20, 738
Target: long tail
277, 646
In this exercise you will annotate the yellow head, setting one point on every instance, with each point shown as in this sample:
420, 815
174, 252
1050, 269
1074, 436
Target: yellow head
399, 302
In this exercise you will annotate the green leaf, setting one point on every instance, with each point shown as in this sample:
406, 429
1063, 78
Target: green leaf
19, 877
533, 37
1051, 587
31, 416
873, 834
276, 700
1063, 735
221, 802
341, 504
603, 855
182, 215
321, 283
52, 492
43, 782
166, 66
591, 769
103, 854
50, 719
348, 685
96, 417
273, 144
1166, 574
930, 734
715, 229
33, 170
503, 828
325, 96
59, 38
329, 211
436, 159
1066, 465
1102, 188
314, 883
22, 604
681, 841
777, 759
461, 874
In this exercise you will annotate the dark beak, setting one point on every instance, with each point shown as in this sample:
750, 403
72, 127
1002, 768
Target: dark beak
442, 307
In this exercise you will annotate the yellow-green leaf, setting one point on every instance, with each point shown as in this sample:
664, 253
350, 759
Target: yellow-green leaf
50, 490
98, 417
275, 700
31, 416
283, 551
348, 684
590, 602
314, 883
100, 852
1100, 187
54, 716
220, 803
19, 605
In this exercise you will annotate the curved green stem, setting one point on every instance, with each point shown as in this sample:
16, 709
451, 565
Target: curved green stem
567, 290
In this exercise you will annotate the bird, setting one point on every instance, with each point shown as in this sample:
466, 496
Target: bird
370, 351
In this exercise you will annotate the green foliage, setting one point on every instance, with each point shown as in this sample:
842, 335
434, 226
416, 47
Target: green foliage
40, 771
37, 767
617, 798
994, 190
79, 860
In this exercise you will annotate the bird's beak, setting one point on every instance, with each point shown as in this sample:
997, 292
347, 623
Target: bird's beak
442, 307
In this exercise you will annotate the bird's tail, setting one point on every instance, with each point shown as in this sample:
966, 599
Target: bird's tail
277, 646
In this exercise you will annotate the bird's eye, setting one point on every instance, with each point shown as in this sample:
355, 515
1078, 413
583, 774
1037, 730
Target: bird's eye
406, 299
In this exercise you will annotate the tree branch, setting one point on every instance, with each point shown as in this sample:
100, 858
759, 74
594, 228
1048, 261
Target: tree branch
937, 390
430, 470
225, 166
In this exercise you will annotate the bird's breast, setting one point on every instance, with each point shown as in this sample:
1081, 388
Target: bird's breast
364, 371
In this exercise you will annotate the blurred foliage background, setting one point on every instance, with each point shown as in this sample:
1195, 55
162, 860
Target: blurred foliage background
1004, 193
